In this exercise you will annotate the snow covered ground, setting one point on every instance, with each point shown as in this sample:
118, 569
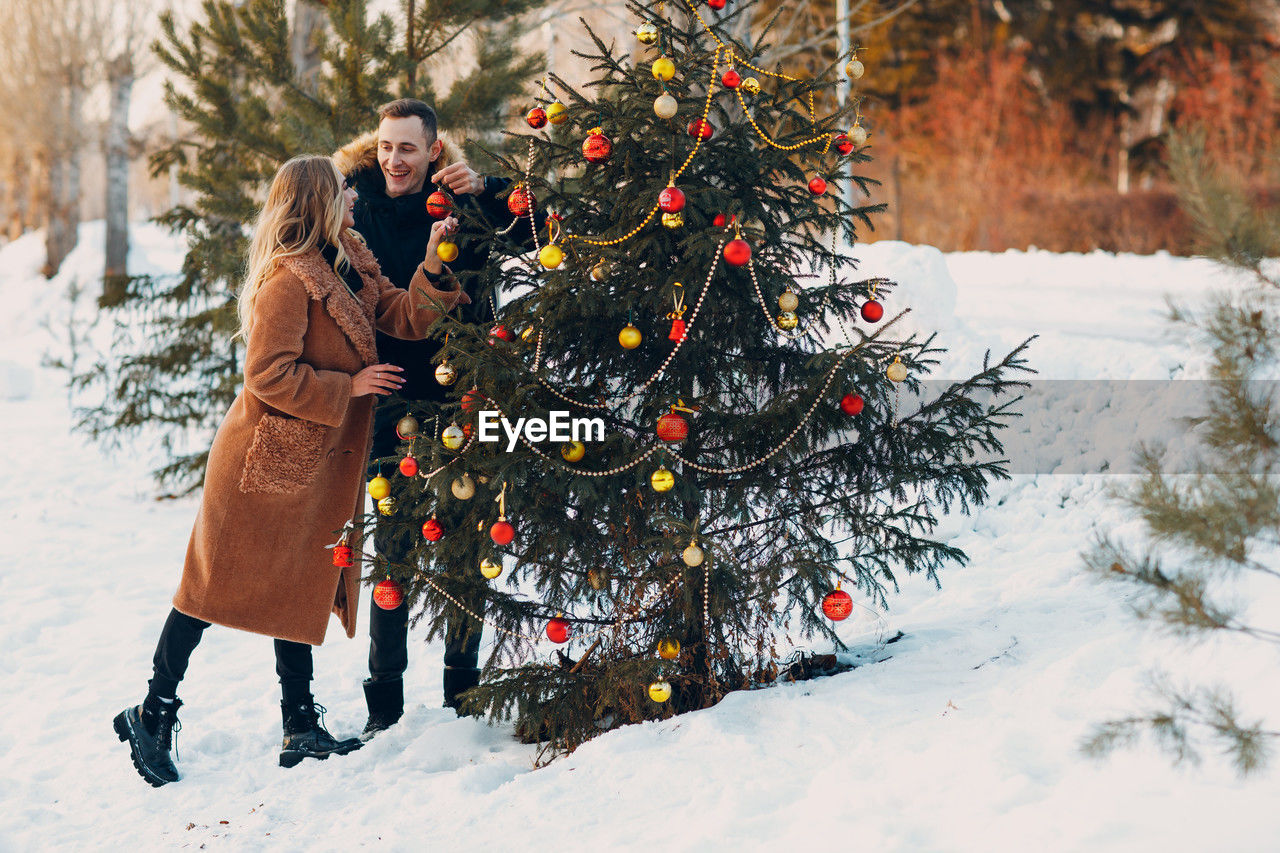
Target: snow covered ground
964, 740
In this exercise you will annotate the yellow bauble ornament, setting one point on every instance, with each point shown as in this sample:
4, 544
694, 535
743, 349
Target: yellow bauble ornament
463, 488
665, 106
663, 69
379, 487
447, 251
387, 505
787, 321
662, 480
630, 337
573, 451
647, 34
527, 334
660, 691
897, 371
751, 86
453, 436
490, 568
551, 256
693, 556
445, 374
855, 69
788, 301
668, 648
673, 220
557, 113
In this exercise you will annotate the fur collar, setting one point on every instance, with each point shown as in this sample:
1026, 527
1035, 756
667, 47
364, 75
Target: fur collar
354, 314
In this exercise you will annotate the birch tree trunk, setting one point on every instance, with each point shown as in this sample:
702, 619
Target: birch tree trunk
309, 21
120, 76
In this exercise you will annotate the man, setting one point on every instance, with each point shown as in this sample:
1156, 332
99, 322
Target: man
394, 170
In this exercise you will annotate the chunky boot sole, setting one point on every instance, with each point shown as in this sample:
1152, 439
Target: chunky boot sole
124, 727
294, 757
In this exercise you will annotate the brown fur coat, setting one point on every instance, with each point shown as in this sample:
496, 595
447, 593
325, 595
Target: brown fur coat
287, 466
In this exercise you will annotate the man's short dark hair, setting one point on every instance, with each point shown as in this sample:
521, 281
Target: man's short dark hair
406, 107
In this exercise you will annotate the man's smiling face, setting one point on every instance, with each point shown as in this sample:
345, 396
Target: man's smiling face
405, 154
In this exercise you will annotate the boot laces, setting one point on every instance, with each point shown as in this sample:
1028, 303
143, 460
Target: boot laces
168, 726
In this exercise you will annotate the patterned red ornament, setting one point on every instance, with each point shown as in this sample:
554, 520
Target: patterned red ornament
519, 201
731, 79
701, 128
343, 556
851, 404
502, 532
597, 147
502, 333
408, 466
672, 427
439, 205
837, 605
471, 401
388, 594
671, 200
559, 629
537, 118
844, 144
737, 252
872, 311
431, 530
817, 186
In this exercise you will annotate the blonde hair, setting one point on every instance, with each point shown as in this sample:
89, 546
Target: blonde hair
303, 211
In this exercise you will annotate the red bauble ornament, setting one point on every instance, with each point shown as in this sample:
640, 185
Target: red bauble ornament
558, 629
678, 330
719, 221
537, 118
837, 605
716, 4
737, 252
502, 333
671, 200
432, 531
672, 427
519, 201
388, 594
471, 401
731, 79
851, 404
408, 466
502, 532
597, 148
817, 186
439, 205
872, 311
343, 556
844, 144
701, 128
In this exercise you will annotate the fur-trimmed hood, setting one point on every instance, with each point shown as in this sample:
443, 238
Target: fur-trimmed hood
361, 156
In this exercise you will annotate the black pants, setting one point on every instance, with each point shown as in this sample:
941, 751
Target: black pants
389, 629
181, 635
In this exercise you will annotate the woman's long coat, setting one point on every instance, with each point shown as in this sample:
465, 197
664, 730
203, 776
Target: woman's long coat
286, 471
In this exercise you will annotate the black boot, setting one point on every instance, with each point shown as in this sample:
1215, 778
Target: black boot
305, 735
149, 729
456, 680
386, 705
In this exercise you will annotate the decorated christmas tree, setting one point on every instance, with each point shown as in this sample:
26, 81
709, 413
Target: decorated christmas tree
707, 451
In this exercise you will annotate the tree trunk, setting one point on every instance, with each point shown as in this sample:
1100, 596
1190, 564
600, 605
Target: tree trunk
14, 203
309, 21
64, 176
57, 222
120, 79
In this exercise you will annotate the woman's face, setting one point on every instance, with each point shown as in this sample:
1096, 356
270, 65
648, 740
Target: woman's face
348, 211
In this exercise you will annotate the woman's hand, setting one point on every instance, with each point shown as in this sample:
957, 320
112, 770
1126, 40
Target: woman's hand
439, 231
380, 379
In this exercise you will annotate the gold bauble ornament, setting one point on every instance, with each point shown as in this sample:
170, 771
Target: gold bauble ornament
551, 256
660, 691
663, 69
855, 69
453, 436
557, 113
788, 301
665, 106
673, 220
897, 371
447, 251
573, 451
445, 374
597, 578
527, 334
408, 426
647, 33
600, 271
463, 488
630, 337
387, 505
490, 568
662, 480
693, 556
858, 135
751, 85
668, 648
379, 487
787, 321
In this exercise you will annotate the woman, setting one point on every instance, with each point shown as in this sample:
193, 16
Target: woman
286, 468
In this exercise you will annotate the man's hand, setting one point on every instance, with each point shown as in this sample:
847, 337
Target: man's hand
460, 178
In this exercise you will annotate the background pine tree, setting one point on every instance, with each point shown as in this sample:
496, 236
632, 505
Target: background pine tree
785, 494
247, 108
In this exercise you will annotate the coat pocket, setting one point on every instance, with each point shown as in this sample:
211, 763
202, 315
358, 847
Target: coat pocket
283, 457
